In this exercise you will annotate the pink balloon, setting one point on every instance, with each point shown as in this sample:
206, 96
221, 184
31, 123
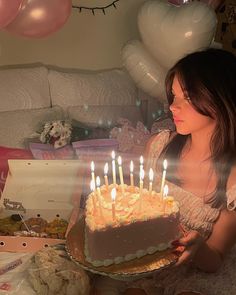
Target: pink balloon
40, 18
8, 11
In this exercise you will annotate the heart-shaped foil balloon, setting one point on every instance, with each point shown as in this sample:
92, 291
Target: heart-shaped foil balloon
168, 32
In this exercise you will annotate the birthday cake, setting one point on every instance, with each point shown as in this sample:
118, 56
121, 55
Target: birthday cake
130, 227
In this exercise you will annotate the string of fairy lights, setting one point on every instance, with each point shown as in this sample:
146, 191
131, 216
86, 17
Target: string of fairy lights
96, 8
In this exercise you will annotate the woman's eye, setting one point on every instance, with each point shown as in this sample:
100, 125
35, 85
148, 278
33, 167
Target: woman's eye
185, 98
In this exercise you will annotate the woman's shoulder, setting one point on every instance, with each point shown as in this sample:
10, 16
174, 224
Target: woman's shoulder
232, 178
231, 189
161, 137
155, 146
158, 141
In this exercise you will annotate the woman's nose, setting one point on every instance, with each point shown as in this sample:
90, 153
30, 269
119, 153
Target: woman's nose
174, 107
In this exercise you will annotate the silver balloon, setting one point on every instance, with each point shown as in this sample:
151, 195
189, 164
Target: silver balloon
168, 32
144, 70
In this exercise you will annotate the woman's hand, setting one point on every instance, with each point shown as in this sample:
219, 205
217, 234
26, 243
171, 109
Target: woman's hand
191, 242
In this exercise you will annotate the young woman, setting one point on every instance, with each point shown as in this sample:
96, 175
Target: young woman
201, 90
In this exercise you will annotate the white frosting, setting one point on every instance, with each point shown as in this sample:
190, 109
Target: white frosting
128, 207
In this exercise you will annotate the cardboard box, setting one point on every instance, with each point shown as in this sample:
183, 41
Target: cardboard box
49, 189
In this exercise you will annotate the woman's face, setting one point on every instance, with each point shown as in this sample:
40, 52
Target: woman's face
187, 120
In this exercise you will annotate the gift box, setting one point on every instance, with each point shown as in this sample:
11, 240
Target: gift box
39, 203
43, 151
98, 148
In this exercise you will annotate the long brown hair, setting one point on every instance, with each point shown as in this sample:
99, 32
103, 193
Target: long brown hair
209, 78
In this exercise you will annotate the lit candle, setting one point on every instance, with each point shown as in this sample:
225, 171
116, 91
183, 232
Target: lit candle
163, 176
105, 175
141, 164
141, 182
119, 160
113, 198
113, 155
99, 194
92, 187
131, 173
151, 175
98, 182
92, 171
165, 194
141, 188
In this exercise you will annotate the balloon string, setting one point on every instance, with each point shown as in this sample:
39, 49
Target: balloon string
96, 7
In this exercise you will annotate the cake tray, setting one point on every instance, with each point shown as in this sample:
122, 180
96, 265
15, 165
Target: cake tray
135, 268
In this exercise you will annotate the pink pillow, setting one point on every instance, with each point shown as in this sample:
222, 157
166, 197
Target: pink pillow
7, 153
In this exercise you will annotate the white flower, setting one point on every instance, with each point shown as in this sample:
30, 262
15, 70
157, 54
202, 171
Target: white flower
42, 137
60, 143
59, 130
47, 126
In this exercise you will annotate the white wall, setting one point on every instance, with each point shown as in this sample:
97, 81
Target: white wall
85, 41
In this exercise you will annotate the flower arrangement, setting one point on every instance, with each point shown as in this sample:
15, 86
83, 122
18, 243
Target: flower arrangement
57, 133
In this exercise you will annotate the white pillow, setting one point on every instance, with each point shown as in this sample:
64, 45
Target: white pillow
24, 88
113, 87
104, 116
16, 126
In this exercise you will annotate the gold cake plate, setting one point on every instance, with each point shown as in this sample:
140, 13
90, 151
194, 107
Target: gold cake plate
135, 268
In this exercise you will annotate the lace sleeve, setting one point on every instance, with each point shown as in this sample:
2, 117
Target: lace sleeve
154, 148
231, 198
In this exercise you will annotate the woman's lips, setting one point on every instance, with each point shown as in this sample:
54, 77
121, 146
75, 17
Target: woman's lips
177, 120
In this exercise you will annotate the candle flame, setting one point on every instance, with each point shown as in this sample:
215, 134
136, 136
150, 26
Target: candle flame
92, 186
131, 166
119, 160
141, 160
92, 166
166, 190
113, 155
165, 164
98, 182
151, 175
142, 174
113, 194
106, 168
